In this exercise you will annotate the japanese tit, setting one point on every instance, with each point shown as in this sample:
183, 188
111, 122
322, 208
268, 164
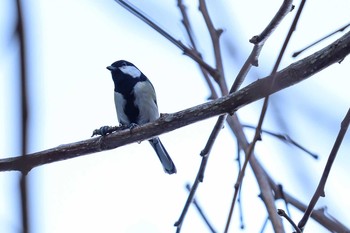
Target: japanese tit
136, 103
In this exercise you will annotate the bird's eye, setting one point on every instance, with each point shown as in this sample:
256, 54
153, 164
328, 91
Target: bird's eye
124, 64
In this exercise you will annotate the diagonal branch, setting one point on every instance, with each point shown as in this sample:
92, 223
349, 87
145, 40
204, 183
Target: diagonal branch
188, 28
320, 188
215, 38
319, 215
187, 51
287, 77
259, 42
257, 135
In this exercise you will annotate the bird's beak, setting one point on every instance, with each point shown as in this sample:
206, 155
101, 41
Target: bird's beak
111, 68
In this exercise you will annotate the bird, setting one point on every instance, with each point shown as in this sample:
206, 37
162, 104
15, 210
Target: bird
136, 104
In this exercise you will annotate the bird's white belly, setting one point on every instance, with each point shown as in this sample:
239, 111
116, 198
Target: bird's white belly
145, 100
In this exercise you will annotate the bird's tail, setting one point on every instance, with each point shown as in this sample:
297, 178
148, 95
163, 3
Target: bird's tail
168, 165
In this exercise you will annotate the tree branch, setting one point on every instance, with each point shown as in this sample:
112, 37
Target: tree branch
320, 188
319, 215
287, 77
187, 51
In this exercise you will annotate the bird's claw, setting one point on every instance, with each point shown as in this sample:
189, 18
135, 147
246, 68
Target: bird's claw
132, 126
104, 130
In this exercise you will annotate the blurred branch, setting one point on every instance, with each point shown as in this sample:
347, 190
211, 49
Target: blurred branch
187, 51
285, 138
276, 222
24, 113
220, 80
295, 54
239, 198
319, 215
201, 212
215, 38
189, 31
289, 76
320, 188
284, 214
259, 42
253, 60
215, 34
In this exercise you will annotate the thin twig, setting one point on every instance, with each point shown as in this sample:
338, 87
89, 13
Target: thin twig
220, 79
200, 175
262, 230
215, 38
179, 222
239, 199
259, 42
283, 214
281, 195
257, 136
201, 212
252, 60
188, 28
24, 114
264, 108
187, 51
286, 139
319, 215
321, 186
318, 41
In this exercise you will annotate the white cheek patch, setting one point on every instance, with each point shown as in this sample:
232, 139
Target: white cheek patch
131, 70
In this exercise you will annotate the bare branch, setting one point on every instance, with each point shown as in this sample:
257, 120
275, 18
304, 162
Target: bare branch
201, 212
189, 31
320, 40
220, 79
284, 214
259, 173
187, 51
285, 138
252, 59
249, 150
259, 42
289, 76
320, 188
20, 32
215, 37
319, 215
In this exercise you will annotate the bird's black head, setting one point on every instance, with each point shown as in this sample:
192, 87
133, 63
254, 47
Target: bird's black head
119, 64
123, 67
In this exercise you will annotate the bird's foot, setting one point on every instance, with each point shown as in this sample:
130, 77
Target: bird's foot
132, 126
104, 130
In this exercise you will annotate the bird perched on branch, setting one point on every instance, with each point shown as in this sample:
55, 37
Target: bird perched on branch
136, 104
